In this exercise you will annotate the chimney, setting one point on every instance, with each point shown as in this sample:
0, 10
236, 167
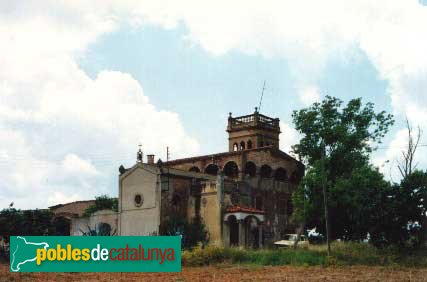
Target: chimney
150, 159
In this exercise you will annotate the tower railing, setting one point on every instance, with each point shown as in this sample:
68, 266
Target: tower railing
255, 119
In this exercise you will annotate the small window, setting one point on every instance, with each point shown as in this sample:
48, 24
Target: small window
138, 200
242, 146
249, 144
235, 147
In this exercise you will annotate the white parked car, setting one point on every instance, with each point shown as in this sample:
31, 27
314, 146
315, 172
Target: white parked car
289, 241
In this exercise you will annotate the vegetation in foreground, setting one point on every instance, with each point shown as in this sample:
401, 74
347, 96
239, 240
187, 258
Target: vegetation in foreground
343, 253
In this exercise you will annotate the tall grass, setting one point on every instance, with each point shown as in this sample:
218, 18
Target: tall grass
342, 254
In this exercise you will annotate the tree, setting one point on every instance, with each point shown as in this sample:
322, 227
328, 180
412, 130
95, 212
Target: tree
401, 218
192, 233
406, 164
28, 222
348, 134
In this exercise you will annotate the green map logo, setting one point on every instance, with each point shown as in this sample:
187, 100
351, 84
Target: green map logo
95, 254
27, 253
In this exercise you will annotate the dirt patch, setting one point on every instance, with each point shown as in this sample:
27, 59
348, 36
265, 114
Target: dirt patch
236, 273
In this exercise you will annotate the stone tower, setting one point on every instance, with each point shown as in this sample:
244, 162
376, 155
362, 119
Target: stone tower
252, 131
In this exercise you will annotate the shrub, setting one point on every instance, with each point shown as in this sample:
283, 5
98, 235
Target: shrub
192, 233
102, 202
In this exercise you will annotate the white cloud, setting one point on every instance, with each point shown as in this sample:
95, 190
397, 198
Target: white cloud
309, 95
76, 166
49, 107
288, 138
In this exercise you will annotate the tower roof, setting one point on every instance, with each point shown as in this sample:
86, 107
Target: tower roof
253, 121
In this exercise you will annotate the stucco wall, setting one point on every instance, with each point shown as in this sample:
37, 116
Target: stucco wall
84, 223
210, 213
145, 219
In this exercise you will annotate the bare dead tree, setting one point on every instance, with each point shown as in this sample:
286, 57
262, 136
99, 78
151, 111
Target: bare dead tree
406, 164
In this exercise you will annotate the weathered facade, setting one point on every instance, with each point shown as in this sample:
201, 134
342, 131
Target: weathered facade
243, 196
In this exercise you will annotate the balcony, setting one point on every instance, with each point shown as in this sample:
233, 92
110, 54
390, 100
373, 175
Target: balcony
254, 120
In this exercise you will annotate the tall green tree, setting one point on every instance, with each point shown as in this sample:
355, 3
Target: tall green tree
345, 135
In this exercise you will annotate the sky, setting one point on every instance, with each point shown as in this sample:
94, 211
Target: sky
82, 83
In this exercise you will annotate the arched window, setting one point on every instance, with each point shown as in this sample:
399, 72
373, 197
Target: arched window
194, 169
265, 171
281, 174
250, 169
235, 147
231, 169
249, 144
212, 169
242, 146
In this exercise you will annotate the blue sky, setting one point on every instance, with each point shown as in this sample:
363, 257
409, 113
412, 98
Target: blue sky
180, 77
82, 83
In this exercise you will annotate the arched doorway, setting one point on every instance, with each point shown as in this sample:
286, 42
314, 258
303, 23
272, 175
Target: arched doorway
253, 233
231, 169
250, 169
233, 226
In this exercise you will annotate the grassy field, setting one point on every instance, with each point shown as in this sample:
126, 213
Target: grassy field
343, 254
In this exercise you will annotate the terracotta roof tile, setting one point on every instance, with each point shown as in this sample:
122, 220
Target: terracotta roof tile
243, 209
74, 208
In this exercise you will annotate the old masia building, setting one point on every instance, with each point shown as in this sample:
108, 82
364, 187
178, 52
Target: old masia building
243, 196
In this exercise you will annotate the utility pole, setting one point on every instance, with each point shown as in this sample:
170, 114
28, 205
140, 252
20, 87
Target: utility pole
167, 161
325, 198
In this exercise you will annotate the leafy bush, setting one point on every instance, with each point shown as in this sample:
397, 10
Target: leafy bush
192, 233
102, 229
103, 202
212, 254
